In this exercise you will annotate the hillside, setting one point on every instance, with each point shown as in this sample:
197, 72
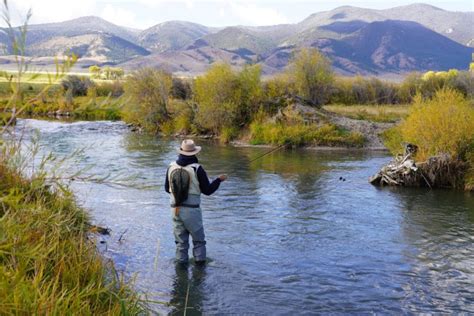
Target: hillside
172, 35
416, 37
99, 47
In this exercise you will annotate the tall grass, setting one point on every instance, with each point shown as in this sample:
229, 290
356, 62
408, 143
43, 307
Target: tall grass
375, 113
301, 134
49, 264
48, 261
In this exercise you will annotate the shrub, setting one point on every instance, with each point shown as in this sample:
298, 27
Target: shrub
148, 93
183, 115
77, 86
181, 89
114, 89
95, 71
228, 134
227, 98
275, 93
443, 124
312, 75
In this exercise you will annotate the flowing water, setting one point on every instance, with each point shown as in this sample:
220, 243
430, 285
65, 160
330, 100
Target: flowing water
296, 232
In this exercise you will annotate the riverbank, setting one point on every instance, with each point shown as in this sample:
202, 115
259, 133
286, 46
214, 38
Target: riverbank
49, 263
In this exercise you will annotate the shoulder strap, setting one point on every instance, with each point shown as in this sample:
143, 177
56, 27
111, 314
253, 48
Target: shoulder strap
195, 166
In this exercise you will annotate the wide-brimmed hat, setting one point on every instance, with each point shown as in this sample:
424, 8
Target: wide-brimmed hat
188, 148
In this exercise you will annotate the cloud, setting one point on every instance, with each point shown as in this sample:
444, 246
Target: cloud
255, 15
50, 10
123, 17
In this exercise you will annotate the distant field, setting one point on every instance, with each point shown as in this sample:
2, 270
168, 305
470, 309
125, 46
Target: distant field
41, 77
376, 113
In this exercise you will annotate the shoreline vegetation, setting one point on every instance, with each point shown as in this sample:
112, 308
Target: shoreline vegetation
306, 106
49, 262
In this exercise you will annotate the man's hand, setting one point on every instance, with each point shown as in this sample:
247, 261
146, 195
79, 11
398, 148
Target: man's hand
223, 177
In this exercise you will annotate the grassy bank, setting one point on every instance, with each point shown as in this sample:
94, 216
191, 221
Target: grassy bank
374, 113
303, 135
48, 261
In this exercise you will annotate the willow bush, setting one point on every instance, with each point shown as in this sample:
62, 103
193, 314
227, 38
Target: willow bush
147, 92
226, 98
441, 125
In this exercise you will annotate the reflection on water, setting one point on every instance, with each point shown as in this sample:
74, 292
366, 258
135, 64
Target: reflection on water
285, 233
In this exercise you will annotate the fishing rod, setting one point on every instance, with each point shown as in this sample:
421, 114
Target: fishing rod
268, 152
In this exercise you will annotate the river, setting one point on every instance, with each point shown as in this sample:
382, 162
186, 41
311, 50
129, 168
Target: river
296, 232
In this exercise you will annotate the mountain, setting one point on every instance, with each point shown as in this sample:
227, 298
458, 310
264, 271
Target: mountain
394, 46
416, 37
79, 26
196, 59
99, 47
457, 26
172, 35
237, 38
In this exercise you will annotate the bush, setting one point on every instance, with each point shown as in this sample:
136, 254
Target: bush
181, 89
114, 89
227, 98
275, 93
77, 86
148, 92
444, 124
312, 75
183, 116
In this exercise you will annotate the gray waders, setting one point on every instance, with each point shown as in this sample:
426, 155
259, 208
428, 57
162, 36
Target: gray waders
188, 221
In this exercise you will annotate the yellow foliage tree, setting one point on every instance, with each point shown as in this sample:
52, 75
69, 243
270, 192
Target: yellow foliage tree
444, 124
148, 91
312, 75
226, 98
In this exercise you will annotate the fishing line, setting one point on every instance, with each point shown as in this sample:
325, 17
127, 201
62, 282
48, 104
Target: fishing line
268, 152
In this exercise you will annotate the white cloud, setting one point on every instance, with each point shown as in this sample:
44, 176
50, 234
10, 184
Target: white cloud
121, 16
51, 10
250, 13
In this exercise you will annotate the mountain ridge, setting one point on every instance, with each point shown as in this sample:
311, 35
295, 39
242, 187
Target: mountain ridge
348, 35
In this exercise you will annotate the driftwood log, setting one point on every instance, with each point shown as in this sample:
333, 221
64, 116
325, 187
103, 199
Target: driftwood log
440, 171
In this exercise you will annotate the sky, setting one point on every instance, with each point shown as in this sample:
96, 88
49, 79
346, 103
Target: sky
142, 14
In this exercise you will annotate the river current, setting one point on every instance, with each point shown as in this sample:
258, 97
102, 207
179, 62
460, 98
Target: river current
296, 232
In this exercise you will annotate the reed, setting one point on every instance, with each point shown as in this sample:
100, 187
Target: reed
48, 260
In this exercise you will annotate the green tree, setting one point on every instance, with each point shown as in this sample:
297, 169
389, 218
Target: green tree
116, 73
95, 71
107, 72
148, 91
216, 98
312, 75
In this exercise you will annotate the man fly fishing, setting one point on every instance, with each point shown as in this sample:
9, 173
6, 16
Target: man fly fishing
185, 181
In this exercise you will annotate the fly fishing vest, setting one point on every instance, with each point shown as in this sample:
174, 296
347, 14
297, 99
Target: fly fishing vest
194, 192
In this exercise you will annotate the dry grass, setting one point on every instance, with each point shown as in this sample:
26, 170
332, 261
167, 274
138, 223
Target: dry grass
49, 265
375, 113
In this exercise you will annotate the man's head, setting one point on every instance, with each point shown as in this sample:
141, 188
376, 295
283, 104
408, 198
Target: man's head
188, 148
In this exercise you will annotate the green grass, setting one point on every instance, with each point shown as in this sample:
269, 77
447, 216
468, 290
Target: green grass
49, 264
4, 118
303, 135
375, 113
